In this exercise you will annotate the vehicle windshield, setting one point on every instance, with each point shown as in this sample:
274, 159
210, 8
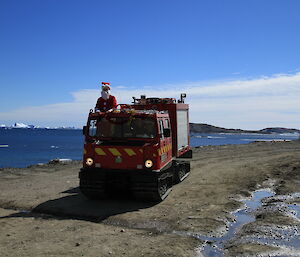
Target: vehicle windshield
136, 127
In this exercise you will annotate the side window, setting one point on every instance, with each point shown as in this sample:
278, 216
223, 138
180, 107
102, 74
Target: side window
93, 128
167, 124
161, 128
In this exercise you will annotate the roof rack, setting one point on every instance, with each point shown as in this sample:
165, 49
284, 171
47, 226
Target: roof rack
153, 100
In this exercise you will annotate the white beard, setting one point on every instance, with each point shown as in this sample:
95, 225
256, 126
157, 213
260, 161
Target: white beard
105, 95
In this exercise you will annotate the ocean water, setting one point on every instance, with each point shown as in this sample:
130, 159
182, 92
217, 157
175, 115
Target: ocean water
234, 139
24, 147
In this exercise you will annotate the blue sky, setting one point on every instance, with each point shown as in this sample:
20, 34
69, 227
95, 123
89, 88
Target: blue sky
237, 60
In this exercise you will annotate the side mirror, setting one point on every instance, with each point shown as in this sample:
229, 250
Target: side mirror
84, 130
167, 132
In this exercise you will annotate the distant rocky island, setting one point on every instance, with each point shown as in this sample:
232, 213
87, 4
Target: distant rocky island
210, 129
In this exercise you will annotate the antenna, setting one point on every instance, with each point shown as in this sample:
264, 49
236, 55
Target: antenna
182, 97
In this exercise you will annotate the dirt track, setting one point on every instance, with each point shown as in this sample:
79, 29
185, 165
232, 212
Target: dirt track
42, 212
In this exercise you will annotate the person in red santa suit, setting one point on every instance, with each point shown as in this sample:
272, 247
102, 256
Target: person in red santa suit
106, 101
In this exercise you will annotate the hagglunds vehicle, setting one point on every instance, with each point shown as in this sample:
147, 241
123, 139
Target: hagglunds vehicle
136, 148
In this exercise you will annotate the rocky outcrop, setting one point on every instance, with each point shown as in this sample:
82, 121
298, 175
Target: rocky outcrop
206, 128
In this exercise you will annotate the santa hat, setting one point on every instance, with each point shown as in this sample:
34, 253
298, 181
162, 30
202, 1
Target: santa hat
105, 86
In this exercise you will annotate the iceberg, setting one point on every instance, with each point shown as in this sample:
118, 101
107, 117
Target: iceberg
20, 125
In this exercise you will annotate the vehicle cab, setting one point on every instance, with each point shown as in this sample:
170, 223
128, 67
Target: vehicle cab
128, 139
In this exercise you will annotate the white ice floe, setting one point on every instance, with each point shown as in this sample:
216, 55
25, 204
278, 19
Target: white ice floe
266, 140
20, 125
58, 160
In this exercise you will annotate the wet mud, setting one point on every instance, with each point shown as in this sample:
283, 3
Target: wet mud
279, 236
276, 225
216, 245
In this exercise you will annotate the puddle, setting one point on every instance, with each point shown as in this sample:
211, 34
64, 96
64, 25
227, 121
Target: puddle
215, 245
287, 238
295, 207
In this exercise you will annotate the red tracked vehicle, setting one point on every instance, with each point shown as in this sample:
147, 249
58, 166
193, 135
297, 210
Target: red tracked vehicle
136, 148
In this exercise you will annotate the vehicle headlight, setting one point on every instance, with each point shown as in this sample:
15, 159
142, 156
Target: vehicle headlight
148, 164
89, 161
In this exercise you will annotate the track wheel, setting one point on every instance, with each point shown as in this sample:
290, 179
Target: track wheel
182, 171
163, 189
